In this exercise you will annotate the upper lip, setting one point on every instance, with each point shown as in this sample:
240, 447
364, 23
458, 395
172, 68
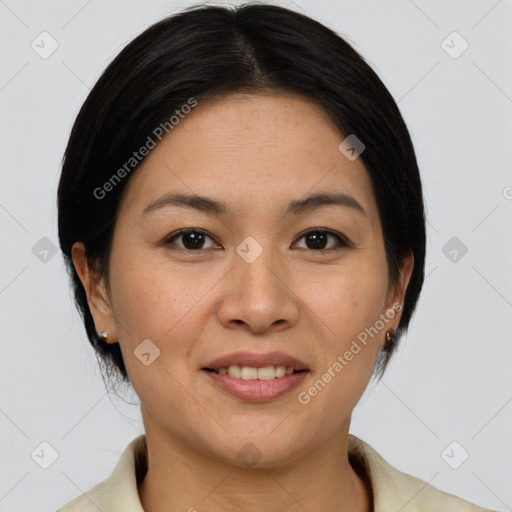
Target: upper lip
256, 360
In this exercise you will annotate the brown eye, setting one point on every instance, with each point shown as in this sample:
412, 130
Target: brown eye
192, 239
317, 240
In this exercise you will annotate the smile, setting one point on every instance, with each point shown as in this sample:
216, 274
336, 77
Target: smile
248, 384
251, 373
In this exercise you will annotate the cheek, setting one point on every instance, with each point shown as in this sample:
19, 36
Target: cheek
155, 300
150, 299
349, 352
348, 299
152, 305
346, 306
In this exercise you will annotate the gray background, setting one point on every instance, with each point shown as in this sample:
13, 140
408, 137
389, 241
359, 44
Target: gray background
451, 378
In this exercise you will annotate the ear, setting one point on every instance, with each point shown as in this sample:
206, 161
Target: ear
97, 297
396, 293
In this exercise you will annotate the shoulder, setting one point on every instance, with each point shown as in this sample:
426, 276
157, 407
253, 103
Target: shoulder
395, 490
119, 491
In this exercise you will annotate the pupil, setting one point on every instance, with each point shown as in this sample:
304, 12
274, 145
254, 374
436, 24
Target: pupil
195, 237
318, 239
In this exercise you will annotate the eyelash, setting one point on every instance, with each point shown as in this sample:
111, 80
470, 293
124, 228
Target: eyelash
342, 241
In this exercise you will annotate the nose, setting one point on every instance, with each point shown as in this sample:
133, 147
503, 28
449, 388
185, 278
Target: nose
257, 297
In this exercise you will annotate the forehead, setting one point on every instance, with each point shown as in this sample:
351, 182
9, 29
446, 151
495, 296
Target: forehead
251, 150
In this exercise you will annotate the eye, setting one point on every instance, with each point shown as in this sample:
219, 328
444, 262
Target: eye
316, 240
193, 239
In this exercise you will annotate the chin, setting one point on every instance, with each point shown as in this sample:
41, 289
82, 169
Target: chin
258, 451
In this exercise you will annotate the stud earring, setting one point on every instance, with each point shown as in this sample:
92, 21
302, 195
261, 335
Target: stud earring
103, 335
390, 338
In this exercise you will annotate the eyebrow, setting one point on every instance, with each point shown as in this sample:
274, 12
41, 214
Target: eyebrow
212, 206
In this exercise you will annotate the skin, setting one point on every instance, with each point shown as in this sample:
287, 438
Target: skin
256, 153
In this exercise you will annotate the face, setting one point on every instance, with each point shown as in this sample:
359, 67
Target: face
257, 277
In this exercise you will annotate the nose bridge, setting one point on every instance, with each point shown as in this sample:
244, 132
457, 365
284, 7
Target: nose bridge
257, 267
257, 294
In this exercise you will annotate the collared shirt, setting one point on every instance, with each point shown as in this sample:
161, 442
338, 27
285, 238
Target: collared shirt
393, 490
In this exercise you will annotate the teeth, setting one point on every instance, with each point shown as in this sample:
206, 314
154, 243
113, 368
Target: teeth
247, 373
250, 373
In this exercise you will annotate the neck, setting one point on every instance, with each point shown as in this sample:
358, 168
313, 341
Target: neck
179, 478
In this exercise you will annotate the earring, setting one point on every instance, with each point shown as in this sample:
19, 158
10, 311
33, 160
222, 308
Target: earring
390, 337
103, 335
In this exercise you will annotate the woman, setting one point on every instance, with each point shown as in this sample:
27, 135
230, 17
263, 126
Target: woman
241, 213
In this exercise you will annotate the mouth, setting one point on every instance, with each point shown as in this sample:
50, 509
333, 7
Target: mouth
247, 373
255, 385
254, 377
247, 362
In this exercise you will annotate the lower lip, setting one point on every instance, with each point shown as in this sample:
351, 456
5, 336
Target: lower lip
257, 390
